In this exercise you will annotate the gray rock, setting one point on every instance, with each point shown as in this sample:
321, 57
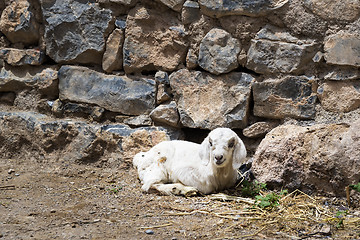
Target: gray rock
42, 78
138, 121
18, 23
112, 58
207, 101
163, 93
162, 77
76, 110
163, 87
319, 57
154, 40
175, 5
21, 57
290, 96
166, 114
339, 10
320, 159
218, 9
218, 52
129, 3
114, 93
190, 12
57, 107
275, 51
75, 32
191, 59
343, 48
259, 129
339, 96
300, 21
339, 73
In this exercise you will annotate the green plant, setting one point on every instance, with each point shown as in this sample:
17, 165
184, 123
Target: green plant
114, 189
270, 200
340, 216
251, 189
355, 187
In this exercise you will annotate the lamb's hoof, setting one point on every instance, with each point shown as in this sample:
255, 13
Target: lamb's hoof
186, 191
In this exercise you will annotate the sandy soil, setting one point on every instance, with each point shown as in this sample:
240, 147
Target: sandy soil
41, 200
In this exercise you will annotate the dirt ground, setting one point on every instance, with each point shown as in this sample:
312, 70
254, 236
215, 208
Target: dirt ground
42, 200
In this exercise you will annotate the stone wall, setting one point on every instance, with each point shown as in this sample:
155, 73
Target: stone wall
247, 65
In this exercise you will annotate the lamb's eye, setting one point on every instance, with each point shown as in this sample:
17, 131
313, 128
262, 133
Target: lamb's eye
210, 142
231, 143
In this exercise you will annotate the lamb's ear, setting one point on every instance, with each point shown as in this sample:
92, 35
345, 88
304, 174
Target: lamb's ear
205, 151
239, 154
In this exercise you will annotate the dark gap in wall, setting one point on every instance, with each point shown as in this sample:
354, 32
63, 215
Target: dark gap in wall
148, 72
198, 68
49, 61
195, 135
246, 70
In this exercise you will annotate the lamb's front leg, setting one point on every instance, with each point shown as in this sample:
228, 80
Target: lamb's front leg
175, 189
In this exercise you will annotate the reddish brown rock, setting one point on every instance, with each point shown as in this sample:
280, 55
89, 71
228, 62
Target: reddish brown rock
154, 40
20, 57
343, 10
113, 55
207, 101
340, 96
19, 24
343, 48
290, 96
320, 159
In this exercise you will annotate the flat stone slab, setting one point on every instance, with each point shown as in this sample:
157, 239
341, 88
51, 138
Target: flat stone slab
114, 93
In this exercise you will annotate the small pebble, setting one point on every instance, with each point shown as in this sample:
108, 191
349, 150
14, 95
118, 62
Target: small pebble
11, 171
17, 174
150, 232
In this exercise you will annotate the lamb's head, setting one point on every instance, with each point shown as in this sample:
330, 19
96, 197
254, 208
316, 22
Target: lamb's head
223, 147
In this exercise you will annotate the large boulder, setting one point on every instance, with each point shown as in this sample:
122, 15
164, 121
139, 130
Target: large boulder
257, 8
341, 10
154, 40
340, 96
290, 96
276, 51
207, 101
114, 93
321, 159
218, 52
24, 134
343, 48
18, 22
75, 31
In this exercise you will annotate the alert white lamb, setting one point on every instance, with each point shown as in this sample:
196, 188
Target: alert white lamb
184, 168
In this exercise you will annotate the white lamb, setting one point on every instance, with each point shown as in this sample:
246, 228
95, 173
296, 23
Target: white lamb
184, 168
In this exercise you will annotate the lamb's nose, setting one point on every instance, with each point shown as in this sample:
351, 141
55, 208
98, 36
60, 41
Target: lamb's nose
218, 158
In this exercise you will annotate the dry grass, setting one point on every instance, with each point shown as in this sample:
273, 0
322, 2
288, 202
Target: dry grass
297, 216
